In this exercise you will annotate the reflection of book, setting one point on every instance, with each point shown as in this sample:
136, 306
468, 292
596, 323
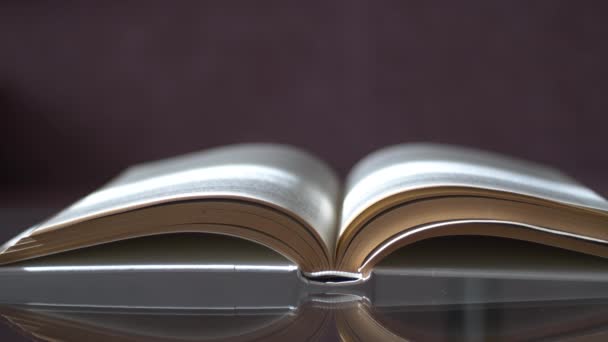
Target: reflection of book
559, 320
352, 321
89, 324
293, 203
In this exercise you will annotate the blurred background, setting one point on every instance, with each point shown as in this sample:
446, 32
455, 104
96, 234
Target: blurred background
88, 89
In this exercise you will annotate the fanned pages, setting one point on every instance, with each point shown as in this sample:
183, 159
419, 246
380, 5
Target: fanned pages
406, 193
275, 195
288, 200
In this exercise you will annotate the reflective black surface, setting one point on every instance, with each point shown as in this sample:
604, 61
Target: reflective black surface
469, 306
557, 320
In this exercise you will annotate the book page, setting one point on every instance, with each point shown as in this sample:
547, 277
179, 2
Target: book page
407, 193
408, 167
275, 176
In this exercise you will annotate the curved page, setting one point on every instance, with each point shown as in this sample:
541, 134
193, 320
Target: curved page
274, 179
422, 185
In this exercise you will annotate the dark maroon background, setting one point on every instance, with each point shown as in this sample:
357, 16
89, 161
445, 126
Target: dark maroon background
87, 90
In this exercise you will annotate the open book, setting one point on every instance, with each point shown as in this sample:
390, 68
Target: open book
293, 203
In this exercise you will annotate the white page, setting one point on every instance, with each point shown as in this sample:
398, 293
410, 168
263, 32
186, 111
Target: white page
407, 167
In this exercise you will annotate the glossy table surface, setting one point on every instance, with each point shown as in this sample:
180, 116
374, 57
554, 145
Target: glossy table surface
579, 315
